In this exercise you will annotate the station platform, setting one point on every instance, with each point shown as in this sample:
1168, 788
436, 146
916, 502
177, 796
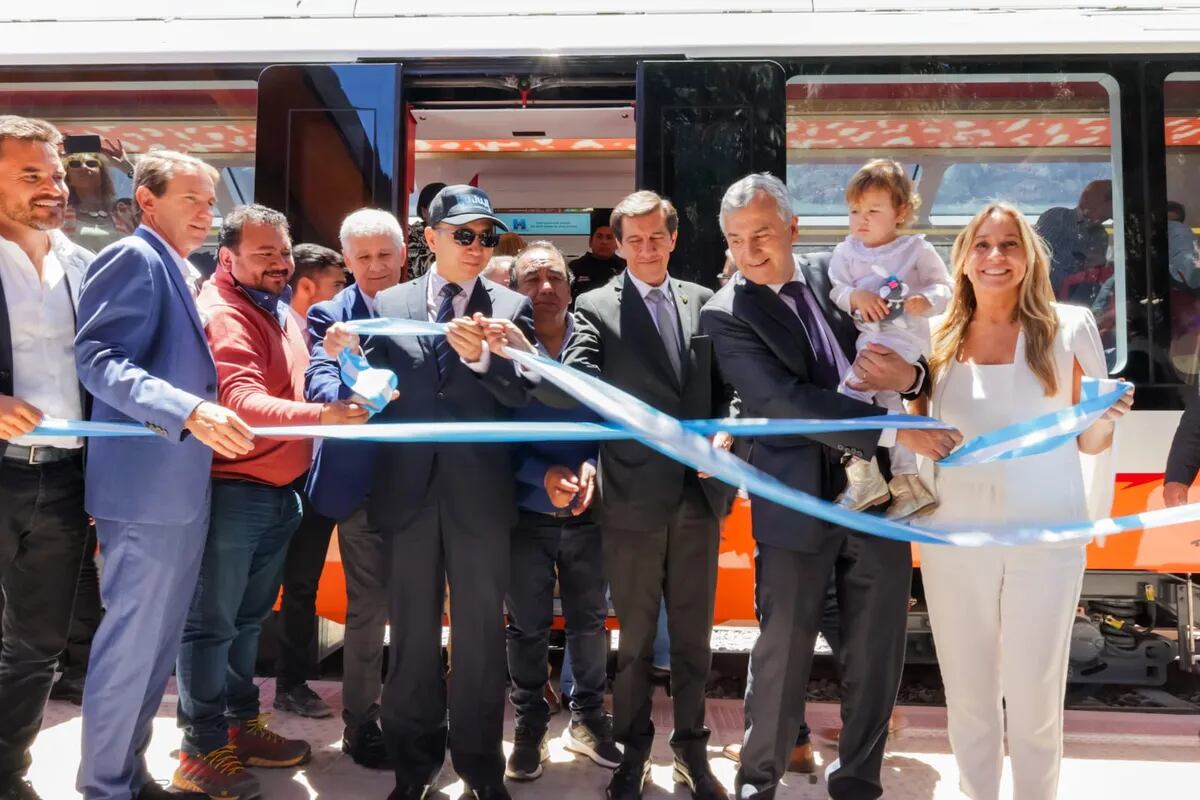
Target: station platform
1109, 756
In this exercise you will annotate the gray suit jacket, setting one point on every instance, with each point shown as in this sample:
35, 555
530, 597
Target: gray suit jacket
478, 477
616, 340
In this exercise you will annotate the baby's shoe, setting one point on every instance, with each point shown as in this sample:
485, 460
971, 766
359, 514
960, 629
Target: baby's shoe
865, 486
909, 498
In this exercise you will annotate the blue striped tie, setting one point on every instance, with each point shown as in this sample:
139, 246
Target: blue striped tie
441, 346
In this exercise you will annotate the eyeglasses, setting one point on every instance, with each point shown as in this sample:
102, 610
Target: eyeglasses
90, 163
466, 237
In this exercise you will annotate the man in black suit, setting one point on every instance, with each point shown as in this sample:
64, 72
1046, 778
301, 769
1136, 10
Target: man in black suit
784, 346
445, 510
660, 521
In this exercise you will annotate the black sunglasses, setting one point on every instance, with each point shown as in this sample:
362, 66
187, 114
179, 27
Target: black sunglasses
466, 237
90, 163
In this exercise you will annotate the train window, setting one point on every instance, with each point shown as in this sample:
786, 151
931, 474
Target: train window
1181, 101
1047, 143
213, 119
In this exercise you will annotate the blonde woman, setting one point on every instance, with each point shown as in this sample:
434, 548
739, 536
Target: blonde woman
1005, 351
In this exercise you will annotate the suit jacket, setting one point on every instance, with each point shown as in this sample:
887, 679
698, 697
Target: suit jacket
142, 353
74, 260
764, 351
341, 474
1183, 461
476, 480
616, 340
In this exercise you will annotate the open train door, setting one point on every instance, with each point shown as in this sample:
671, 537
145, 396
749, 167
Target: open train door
701, 125
332, 138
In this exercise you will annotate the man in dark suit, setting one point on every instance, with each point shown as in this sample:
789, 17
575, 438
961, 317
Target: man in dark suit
785, 346
445, 510
341, 477
660, 520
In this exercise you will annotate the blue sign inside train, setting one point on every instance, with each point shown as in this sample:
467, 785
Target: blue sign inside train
546, 224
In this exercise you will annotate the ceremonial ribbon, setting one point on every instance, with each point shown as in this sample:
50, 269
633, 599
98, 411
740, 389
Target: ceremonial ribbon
373, 386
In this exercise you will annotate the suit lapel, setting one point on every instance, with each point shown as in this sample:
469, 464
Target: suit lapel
176, 279
6, 360
635, 319
480, 300
765, 301
841, 324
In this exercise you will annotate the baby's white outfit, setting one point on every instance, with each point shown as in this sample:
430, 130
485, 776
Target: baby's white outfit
918, 266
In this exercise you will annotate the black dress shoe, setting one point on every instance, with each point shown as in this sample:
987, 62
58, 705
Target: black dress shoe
415, 792
698, 777
152, 791
491, 791
627, 781
365, 745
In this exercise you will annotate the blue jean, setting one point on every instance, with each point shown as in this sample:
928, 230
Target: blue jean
662, 655
250, 527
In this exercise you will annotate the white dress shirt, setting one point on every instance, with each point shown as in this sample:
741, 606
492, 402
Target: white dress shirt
191, 275
644, 289
433, 302
41, 314
887, 438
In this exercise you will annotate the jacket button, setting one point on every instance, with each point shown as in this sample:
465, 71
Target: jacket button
441, 395
5, 374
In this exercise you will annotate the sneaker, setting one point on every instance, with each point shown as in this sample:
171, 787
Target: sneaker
593, 737
218, 774
302, 701
909, 498
365, 746
865, 486
18, 789
529, 751
256, 746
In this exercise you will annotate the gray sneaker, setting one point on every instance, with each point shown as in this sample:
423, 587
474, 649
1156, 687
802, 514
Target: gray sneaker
303, 702
593, 737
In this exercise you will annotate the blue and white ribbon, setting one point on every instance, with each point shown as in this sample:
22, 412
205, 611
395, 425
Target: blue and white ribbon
372, 385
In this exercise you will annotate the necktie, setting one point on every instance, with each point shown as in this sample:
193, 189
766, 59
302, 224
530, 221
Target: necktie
666, 328
824, 360
441, 346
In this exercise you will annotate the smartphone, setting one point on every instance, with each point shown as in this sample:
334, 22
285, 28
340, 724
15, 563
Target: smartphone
81, 143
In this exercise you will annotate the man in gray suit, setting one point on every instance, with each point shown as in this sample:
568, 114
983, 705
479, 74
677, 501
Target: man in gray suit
445, 510
785, 346
660, 520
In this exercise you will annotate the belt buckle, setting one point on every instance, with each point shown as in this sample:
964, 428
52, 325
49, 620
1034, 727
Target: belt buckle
33, 450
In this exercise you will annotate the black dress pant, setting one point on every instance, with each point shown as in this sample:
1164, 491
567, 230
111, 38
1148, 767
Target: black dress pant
88, 612
298, 609
544, 548
42, 529
469, 548
873, 578
678, 563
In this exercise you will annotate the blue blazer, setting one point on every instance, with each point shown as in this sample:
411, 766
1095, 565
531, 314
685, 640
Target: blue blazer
141, 352
342, 471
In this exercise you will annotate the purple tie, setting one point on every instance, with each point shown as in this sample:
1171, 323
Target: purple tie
824, 359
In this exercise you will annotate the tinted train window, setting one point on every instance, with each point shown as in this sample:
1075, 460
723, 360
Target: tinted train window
1047, 143
212, 120
1181, 98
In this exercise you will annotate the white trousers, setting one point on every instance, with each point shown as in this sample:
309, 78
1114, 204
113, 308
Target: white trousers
1001, 621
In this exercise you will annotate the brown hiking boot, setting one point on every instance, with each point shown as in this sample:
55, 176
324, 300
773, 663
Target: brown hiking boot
258, 747
218, 774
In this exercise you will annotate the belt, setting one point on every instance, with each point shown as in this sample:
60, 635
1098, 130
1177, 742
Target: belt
39, 454
564, 514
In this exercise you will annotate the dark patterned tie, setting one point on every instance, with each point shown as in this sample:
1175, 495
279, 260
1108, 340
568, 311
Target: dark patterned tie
824, 358
441, 345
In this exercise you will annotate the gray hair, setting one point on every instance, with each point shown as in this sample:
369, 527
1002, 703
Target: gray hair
27, 129
543, 246
748, 189
371, 222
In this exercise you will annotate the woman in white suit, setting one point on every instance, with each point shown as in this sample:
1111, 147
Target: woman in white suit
1002, 616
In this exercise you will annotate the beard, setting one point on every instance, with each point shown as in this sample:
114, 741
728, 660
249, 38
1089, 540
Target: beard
39, 218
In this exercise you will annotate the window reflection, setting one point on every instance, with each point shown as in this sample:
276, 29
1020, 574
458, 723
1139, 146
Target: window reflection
1181, 98
1046, 143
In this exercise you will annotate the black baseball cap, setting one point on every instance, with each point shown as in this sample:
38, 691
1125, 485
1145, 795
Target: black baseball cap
460, 204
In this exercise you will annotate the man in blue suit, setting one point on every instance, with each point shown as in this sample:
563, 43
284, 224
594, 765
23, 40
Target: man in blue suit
340, 479
142, 354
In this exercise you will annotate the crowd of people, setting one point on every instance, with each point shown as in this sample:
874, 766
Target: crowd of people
199, 524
